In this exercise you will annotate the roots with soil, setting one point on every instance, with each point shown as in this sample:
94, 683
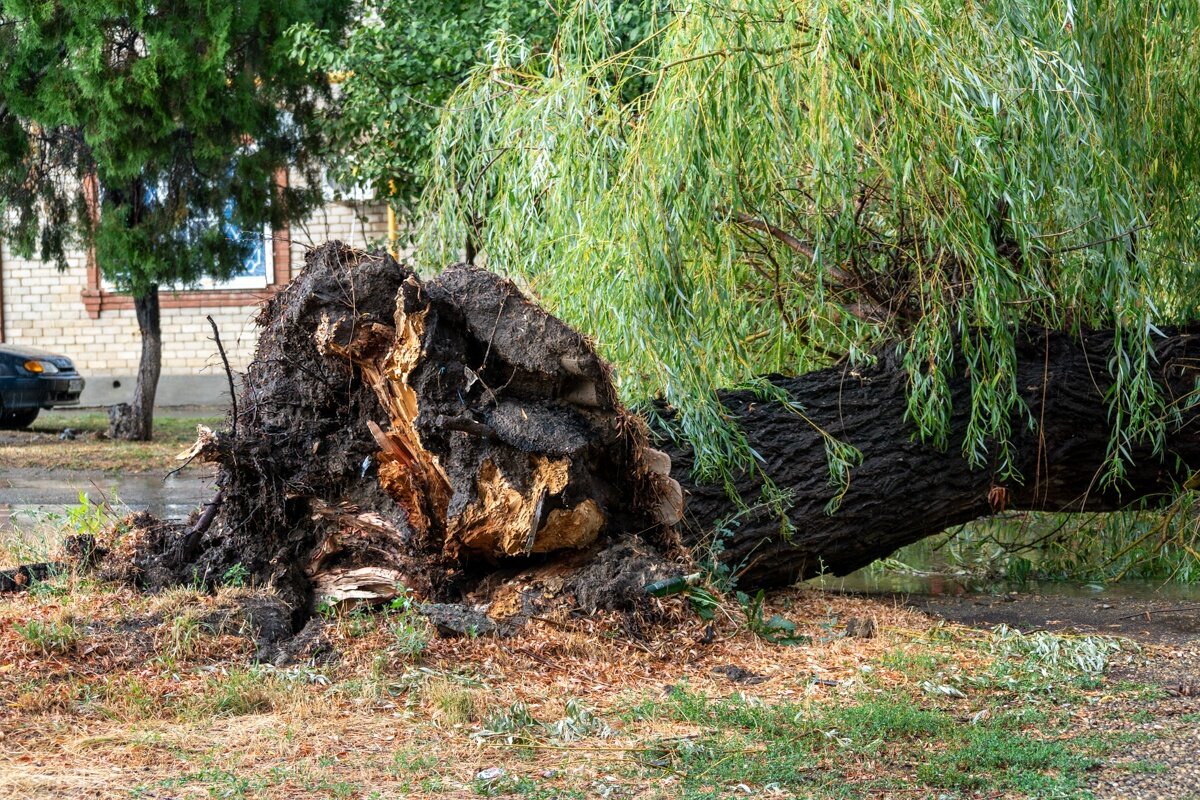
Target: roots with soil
402, 435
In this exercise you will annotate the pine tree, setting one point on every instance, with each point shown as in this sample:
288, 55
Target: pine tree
150, 131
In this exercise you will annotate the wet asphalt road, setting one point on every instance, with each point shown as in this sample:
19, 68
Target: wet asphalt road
26, 493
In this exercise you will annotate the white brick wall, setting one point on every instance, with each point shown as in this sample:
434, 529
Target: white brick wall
358, 225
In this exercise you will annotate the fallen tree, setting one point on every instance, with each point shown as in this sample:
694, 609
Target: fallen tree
440, 436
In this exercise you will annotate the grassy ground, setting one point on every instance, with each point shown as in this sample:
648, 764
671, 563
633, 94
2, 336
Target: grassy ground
114, 694
41, 447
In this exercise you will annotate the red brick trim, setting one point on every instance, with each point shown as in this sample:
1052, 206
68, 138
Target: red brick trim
96, 299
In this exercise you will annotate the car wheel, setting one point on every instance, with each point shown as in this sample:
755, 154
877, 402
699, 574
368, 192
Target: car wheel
15, 420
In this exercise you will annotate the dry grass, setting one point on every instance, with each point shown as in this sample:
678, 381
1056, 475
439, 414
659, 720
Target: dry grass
147, 700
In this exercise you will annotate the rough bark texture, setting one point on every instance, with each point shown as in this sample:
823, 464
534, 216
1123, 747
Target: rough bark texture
450, 437
906, 490
135, 421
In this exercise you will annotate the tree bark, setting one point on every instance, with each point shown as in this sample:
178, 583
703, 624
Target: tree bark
906, 489
397, 433
135, 422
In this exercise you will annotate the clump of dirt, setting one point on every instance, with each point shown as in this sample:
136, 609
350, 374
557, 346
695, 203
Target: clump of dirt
616, 577
310, 645
262, 616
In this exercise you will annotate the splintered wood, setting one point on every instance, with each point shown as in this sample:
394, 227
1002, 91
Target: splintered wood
498, 447
407, 471
505, 521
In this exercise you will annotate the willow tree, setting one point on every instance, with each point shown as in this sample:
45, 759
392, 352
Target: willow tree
154, 133
806, 180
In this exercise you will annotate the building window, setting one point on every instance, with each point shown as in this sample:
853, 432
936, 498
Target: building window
267, 269
258, 268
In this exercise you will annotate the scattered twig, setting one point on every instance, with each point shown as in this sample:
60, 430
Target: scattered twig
1149, 611
228, 374
1060, 251
180, 468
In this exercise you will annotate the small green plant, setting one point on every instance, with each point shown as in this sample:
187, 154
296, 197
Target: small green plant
704, 602
359, 622
199, 581
409, 627
219, 782
88, 518
776, 629
236, 576
50, 637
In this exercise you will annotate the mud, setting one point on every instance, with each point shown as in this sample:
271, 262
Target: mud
1157, 621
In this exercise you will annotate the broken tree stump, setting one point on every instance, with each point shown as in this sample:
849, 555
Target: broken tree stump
397, 434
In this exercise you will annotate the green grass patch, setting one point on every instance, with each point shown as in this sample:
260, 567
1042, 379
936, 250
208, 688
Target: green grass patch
818, 750
166, 424
49, 637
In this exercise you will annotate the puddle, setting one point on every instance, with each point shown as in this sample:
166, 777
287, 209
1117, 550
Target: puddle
30, 496
925, 569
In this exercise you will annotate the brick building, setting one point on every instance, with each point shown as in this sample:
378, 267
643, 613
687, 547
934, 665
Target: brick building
74, 313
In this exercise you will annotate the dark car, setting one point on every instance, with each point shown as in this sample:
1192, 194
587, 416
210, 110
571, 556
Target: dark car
32, 379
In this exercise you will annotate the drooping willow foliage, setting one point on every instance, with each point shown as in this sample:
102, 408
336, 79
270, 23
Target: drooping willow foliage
770, 185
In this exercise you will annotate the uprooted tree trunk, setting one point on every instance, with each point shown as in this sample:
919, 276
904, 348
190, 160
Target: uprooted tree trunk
433, 434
